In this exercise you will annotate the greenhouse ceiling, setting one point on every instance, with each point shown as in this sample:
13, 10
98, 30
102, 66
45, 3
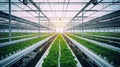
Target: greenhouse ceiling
59, 13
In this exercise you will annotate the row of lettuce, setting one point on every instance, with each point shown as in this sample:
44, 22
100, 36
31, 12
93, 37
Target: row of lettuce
109, 34
109, 55
11, 49
6, 34
100, 37
18, 35
66, 58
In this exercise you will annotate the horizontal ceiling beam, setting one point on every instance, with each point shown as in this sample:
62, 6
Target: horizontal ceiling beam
61, 3
59, 10
18, 19
81, 10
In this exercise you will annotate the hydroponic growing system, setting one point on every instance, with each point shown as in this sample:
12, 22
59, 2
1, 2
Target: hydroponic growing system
59, 33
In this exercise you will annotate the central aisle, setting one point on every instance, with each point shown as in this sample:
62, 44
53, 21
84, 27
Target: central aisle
59, 55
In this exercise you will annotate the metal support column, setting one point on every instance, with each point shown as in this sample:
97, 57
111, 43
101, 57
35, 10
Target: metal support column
73, 28
51, 28
10, 21
39, 21
82, 25
48, 27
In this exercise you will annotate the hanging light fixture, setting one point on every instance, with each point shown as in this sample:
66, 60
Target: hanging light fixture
95, 2
25, 2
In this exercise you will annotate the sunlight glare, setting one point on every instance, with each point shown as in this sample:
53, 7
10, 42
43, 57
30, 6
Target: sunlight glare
59, 29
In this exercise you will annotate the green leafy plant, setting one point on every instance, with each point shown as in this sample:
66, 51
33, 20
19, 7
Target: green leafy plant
110, 55
66, 59
4, 51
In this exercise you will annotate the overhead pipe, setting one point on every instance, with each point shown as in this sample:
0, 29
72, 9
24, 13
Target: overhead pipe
91, 1
39, 10
10, 31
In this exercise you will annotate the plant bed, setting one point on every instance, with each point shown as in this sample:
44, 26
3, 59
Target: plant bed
107, 54
66, 58
110, 34
6, 40
9, 50
109, 42
5, 34
14, 34
112, 42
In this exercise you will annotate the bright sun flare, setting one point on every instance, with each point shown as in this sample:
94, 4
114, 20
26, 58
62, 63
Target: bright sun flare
59, 29
59, 25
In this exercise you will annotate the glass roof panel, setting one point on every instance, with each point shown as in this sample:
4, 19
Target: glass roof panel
59, 10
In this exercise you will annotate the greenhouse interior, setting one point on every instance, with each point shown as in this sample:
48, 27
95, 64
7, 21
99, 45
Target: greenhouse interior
59, 33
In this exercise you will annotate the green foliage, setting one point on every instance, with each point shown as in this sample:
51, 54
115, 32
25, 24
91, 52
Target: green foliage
52, 58
19, 46
110, 34
109, 41
3, 35
66, 59
112, 56
6, 40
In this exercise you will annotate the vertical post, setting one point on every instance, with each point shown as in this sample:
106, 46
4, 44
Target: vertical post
98, 29
82, 26
114, 29
48, 27
10, 21
39, 21
73, 28
117, 29
51, 28
3, 30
